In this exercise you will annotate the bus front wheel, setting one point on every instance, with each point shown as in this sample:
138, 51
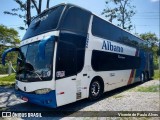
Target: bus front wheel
95, 90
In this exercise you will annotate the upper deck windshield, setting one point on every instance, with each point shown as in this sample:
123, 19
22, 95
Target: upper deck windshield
45, 22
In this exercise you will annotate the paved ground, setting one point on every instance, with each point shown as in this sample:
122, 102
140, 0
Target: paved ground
118, 100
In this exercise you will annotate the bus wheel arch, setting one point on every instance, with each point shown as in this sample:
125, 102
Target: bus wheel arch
96, 83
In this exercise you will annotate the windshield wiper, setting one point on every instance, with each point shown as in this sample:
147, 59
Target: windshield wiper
29, 68
35, 73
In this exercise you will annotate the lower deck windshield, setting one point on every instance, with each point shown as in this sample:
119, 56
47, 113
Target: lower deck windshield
34, 68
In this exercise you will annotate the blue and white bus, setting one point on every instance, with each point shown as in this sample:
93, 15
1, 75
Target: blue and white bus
68, 54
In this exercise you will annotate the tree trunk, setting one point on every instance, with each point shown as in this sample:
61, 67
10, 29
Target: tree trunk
123, 22
35, 5
28, 12
47, 6
40, 5
111, 18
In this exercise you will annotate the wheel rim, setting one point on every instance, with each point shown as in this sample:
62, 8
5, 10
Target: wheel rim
95, 89
142, 77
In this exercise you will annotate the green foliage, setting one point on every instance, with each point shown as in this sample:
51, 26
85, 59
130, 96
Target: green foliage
3, 69
118, 96
8, 80
153, 88
10, 36
156, 74
153, 40
150, 37
10, 57
122, 11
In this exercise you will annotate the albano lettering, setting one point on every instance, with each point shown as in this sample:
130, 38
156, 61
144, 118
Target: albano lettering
109, 46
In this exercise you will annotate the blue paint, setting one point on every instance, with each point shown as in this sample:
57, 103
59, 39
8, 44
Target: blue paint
142, 64
42, 45
39, 99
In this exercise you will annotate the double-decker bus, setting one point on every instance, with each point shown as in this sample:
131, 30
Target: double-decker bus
68, 54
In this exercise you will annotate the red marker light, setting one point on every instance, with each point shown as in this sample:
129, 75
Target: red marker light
61, 93
25, 99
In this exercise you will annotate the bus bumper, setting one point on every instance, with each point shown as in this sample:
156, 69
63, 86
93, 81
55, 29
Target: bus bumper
48, 100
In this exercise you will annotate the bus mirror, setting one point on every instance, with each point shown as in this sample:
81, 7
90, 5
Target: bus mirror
42, 45
6, 52
29, 67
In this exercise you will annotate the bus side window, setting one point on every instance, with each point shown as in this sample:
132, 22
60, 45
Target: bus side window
66, 59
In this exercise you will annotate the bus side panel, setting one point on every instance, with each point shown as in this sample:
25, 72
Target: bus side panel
151, 68
114, 78
143, 65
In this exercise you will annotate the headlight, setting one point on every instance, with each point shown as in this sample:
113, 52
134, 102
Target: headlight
43, 91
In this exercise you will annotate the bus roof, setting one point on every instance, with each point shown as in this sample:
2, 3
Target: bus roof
70, 4
104, 20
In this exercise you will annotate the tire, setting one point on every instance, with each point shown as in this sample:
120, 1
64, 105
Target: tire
147, 76
142, 77
95, 90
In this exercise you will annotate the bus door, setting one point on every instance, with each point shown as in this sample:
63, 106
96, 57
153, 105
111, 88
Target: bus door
65, 73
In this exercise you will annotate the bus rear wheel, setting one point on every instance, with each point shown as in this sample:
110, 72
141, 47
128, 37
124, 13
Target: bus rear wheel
95, 90
147, 76
142, 77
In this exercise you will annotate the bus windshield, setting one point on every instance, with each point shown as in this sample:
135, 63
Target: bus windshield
36, 69
46, 21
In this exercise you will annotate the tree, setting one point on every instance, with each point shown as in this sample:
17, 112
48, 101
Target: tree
24, 10
150, 37
122, 11
9, 35
153, 40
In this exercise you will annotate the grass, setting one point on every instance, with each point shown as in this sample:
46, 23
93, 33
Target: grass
153, 88
156, 75
118, 96
7, 80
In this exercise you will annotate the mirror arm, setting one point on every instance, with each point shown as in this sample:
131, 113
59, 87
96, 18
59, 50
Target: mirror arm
11, 50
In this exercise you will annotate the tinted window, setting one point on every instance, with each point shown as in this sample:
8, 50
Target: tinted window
45, 22
76, 20
66, 60
127, 38
105, 61
24, 49
104, 29
78, 41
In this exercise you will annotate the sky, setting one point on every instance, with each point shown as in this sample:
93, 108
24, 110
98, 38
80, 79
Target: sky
146, 19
